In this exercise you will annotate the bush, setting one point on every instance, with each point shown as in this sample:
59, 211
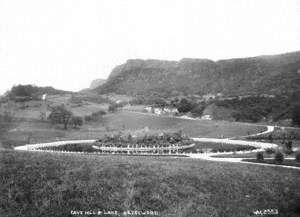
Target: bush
288, 151
279, 157
296, 115
289, 145
297, 157
113, 107
95, 116
260, 156
270, 151
184, 106
77, 121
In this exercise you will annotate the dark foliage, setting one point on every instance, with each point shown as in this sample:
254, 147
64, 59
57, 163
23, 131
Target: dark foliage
260, 156
297, 157
29, 92
296, 115
270, 151
184, 105
61, 115
76, 121
279, 157
95, 116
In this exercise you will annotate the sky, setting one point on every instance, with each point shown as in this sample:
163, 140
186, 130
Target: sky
68, 43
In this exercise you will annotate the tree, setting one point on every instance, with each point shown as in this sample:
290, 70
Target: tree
160, 103
184, 105
296, 115
260, 156
60, 115
77, 121
113, 107
279, 157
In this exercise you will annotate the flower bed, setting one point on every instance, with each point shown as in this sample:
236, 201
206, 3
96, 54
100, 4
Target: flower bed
154, 144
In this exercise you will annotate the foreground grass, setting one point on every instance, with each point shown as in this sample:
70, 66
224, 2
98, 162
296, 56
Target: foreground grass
286, 162
43, 184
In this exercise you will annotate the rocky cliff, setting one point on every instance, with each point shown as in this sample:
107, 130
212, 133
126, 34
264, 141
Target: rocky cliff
96, 83
274, 74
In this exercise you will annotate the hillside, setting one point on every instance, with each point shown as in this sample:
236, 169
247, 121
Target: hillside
275, 74
96, 83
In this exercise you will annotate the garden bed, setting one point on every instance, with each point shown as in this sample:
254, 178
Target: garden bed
120, 144
203, 147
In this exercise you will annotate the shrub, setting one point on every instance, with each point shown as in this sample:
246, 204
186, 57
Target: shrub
279, 157
296, 115
95, 116
270, 151
77, 121
289, 145
260, 156
288, 151
297, 157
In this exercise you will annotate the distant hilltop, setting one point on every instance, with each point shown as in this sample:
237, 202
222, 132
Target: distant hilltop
270, 74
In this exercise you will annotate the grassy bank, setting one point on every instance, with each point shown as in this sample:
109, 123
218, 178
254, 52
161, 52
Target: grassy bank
286, 162
41, 184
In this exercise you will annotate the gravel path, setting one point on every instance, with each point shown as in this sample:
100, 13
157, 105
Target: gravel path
261, 146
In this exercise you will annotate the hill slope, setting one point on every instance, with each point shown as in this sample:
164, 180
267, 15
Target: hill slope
96, 83
274, 74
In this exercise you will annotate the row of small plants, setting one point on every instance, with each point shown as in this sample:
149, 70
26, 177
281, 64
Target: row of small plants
234, 148
161, 140
71, 148
278, 158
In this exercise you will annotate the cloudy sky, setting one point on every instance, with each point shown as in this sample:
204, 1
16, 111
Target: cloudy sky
68, 43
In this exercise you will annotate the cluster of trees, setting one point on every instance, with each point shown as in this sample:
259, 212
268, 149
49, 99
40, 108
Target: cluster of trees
257, 108
183, 105
250, 109
113, 106
29, 92
61, 115
95, 116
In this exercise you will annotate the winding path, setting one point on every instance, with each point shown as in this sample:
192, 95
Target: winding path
261, 146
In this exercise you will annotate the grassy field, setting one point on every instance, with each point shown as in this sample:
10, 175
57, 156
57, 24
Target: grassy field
27, 130
286, 162
199, 128
40, 184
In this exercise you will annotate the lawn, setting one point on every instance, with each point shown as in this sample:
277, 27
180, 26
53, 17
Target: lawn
193, 128
286, 162
43, 184
35, 131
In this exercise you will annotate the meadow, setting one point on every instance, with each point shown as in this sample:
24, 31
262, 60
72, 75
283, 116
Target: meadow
49, 185
29, 130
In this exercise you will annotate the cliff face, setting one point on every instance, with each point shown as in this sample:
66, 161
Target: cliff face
264, 74
96, 83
